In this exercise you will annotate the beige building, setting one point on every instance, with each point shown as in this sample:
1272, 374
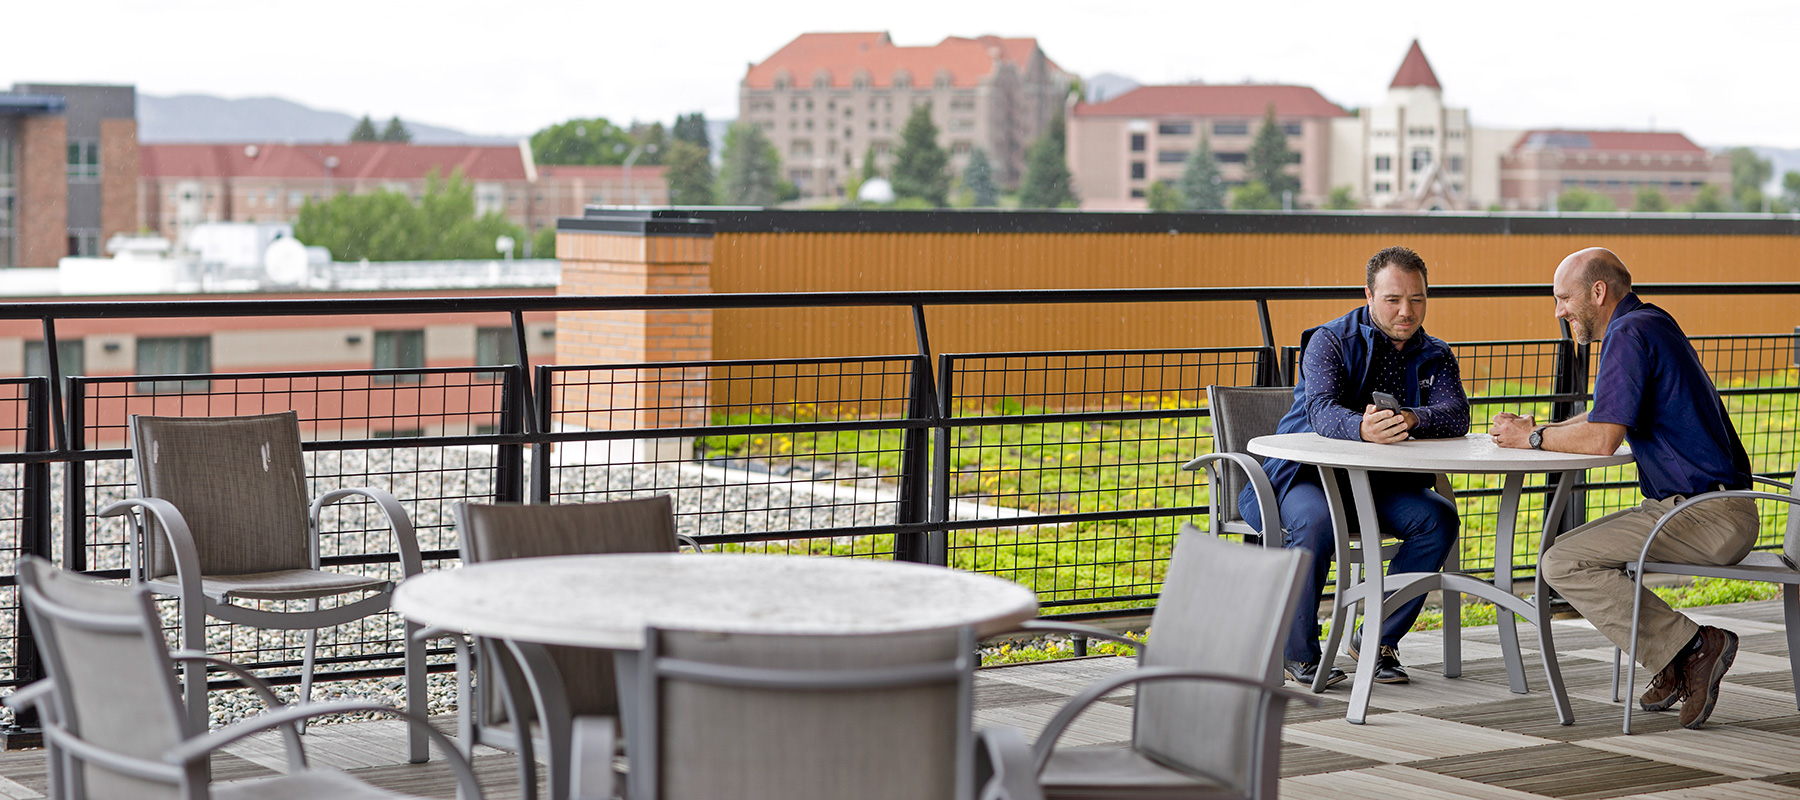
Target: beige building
1617, 164
827, 99
1118, 148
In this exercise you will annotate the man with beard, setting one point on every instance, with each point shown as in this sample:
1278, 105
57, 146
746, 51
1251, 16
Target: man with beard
1380, 347
1652, 391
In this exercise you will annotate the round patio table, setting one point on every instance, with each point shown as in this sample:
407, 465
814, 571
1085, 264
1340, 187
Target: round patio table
1474, 453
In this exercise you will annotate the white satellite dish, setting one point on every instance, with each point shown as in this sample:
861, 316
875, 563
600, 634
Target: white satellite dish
876, 190
285, 261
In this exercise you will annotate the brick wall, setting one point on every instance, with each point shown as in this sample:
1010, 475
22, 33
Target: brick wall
43, 195
118, 178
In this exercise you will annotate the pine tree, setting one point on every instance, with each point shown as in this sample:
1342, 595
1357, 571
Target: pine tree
396, 131
1202, 187
921, 167
1269, 157
690, 175
978, 176
751, 169
691, 128
1047, 182
364, 131
870, 168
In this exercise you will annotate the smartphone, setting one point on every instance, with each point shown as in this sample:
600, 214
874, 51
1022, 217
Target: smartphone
1386, 402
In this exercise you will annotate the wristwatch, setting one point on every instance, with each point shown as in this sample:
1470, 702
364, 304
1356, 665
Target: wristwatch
1537, 437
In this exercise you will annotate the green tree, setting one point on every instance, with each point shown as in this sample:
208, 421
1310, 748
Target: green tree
396, 131
1748, 176
1255, 196
690, 175
1709, 200
581, 141
921, 168
1269, 157
1163, 197
1341, 198
1649, 199
543, 243
978, 176
364, 131
1047, 182
870, 167
691, 128
751, 169
1584, 200
652, 143
1790, 191
1202, 187
389, 226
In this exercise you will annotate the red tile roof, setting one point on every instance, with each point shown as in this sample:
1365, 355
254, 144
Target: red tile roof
844, 55
1614, 141
600, 172
1200, 100
365, 161
1415, 70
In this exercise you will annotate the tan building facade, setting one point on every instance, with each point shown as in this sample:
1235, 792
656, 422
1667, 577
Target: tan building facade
828, 100
1618, 164
1118, 148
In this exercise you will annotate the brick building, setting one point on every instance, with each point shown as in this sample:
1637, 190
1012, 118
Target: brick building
68, 170
183, 185
827, 99
1546, 163
1118, 148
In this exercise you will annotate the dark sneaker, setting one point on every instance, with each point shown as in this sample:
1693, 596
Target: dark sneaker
1705, 670
1387, 661
1666, 688
1303, 673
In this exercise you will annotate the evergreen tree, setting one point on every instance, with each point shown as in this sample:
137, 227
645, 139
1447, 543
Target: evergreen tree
395, 131
751, 172
921, 167
1790, 191
691, 128
978, 176
690, 175
1202, 187
1269, 157
1047, 182
364, 131
1748, 175
870, 168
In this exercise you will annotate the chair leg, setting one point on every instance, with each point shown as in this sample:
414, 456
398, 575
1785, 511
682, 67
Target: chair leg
309, 660
419, 747
1615, 678
1790, 613
193, 637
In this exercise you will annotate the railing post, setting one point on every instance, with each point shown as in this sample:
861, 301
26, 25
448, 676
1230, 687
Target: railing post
917, 483
1571, 380
1269, 369
35, 536
75, 482
509, 459
940, 453
540, 450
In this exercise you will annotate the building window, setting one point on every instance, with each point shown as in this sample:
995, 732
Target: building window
399, 350
1231, 129
70, 358
493, 347
1421, 158
1383, 187
296, 199
1137, 143
1175, 128
962, 124
1171, 156
84, 242
1291, 128
1454, 163
800, 147
1231, 158
178, 355
1137, 194
1384, 163
1137, 170
962, 104
84, 159
958, 148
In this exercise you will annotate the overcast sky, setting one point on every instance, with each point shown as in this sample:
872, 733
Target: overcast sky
1723, 72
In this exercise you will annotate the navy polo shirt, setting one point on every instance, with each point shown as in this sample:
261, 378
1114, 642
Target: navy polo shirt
1651, 381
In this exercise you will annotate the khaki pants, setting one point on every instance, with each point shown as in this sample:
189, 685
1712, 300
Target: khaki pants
1587, 565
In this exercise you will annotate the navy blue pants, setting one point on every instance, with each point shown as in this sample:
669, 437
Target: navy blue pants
1424, 521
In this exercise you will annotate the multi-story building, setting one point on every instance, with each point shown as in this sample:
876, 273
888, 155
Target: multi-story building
1617, 164
68, 170
827, 100
183, 185
1118, 148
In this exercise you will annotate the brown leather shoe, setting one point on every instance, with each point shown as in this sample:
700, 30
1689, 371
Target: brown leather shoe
1705, 671
1666, 688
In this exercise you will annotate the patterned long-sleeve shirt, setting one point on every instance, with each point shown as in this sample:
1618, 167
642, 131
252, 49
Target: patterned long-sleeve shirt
1334, 407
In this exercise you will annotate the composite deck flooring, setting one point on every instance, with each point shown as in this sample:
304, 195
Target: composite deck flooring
1468, 737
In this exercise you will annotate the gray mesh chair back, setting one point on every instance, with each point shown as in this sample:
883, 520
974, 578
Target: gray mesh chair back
1225, 608
240, 483
1239, 414
115, 683
765, 717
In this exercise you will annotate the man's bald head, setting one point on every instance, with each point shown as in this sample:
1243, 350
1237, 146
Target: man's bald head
1596, 265
1589, 284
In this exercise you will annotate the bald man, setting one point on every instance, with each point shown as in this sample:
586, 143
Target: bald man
1651, 390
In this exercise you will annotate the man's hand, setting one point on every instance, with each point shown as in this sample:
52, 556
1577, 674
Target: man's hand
1513, 430
1383, 427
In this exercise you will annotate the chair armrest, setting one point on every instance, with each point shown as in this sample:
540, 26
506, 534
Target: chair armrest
1771, 482
1059, 724
1079, 629
1259, 481
592, 745
202, 746
34, 693
1004, 770
1644, 554
684, 540
406, 541
290, 735
175, 529
465, 702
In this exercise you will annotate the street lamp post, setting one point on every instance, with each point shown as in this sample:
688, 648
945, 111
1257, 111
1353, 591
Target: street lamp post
632, 159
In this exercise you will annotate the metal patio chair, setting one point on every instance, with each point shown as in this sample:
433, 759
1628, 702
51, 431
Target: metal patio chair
1242, 413
224, 517
585, 684
811, 717
113, 719
1769, 567
1207, 719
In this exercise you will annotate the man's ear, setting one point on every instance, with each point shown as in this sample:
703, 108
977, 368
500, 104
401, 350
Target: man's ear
1600, 292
